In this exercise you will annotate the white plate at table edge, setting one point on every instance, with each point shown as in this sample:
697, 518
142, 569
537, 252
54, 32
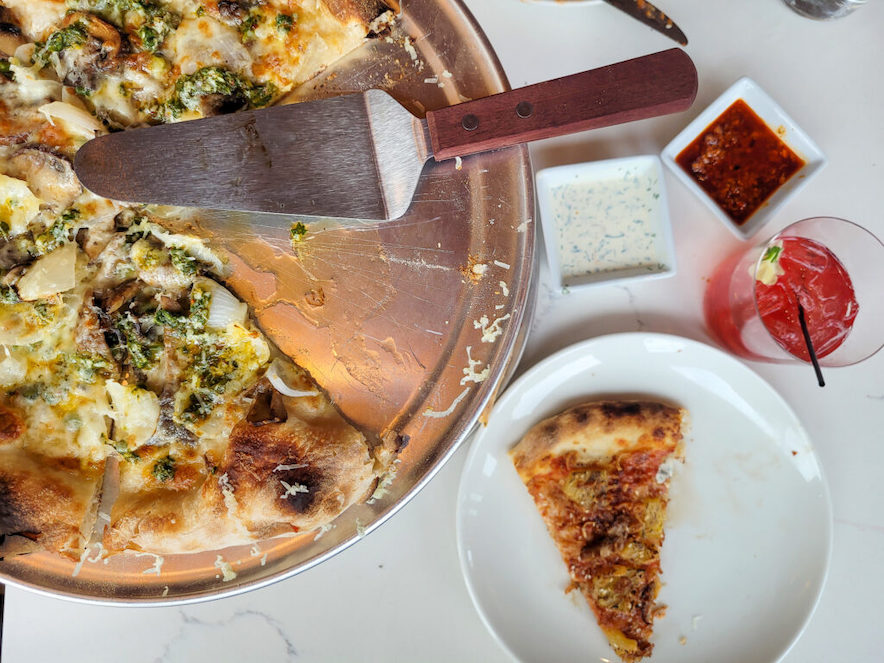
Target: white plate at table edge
514, 545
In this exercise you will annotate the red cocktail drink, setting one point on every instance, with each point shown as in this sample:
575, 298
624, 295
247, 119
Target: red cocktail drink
812, 275
834, 268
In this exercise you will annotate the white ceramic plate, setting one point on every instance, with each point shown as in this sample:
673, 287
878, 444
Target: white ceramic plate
779, 122
749, 528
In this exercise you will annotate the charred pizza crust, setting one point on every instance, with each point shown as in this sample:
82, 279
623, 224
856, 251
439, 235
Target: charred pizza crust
594, 473
50, 502
297, 473
290, 473
596, 432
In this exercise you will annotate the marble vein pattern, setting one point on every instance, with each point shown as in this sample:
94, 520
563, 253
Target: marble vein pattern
195, 636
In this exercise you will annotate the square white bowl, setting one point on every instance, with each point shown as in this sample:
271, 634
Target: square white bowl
780, 123
609, 218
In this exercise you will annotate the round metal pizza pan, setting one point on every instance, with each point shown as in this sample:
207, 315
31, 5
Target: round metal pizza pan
412, 325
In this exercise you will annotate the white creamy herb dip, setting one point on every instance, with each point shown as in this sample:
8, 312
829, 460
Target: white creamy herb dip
609, 223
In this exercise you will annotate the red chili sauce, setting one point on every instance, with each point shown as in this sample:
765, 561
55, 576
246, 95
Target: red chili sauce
739, 161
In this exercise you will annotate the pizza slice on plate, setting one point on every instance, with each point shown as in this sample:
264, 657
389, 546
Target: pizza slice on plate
598, 474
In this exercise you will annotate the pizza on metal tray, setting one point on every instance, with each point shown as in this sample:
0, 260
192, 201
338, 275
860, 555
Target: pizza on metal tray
130, 377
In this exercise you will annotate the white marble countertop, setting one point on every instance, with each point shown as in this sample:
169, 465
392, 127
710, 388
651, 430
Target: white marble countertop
398, 595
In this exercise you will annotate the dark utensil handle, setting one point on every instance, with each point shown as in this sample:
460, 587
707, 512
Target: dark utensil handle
636, 89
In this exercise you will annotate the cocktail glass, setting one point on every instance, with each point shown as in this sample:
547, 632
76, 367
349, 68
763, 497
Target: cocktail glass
738, 306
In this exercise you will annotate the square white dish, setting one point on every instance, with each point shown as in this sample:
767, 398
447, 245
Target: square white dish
606, 221
780, 123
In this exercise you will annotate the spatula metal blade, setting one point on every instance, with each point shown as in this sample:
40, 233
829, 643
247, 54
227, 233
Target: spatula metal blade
354, 156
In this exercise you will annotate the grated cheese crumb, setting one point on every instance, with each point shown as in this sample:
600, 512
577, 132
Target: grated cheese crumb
470, 374
409, 48
226, 569
293, 489
157, 563
434, 414
227, 492
490, 330
101, 552
255, 551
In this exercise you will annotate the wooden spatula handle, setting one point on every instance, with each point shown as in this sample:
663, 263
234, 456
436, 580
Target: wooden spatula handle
636, 89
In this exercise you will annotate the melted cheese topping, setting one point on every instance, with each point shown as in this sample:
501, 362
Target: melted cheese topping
18, 205
37, 17
146, 61
204, 42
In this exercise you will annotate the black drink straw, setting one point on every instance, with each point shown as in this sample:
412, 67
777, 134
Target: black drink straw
816, 364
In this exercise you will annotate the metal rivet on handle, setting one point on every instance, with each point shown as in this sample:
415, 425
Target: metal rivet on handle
470, 122
525, 109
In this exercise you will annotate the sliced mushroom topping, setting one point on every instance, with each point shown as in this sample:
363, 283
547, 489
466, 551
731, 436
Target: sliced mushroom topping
168, 430
232, 11
113, 264
10, 35
107, 37
13, 275
49, 175
114, 300
98, 46
13, 255
90, 334
155, 267
268, 406
125, 218
96, 237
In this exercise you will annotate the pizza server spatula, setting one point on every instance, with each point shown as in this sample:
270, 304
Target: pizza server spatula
361, 155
